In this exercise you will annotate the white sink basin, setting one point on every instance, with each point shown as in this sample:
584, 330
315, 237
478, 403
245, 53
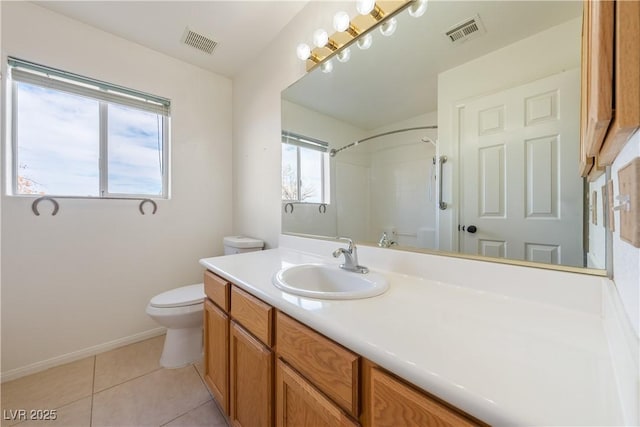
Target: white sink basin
325, 281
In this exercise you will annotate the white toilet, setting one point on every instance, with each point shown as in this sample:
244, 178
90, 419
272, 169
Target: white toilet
180, 310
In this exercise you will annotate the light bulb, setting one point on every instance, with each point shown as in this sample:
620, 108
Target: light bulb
365, 6
303, 51
365, 41
418, 8
344, 55
388, 27
320, 37
327, 67
341, 21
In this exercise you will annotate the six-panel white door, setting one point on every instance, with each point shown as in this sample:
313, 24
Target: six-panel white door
520, 182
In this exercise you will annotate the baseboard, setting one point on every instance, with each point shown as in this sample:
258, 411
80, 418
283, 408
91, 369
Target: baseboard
77, 355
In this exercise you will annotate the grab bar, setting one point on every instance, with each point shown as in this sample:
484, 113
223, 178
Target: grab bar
441, 204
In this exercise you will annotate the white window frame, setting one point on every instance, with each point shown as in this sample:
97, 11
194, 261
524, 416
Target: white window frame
300, 141
21, 71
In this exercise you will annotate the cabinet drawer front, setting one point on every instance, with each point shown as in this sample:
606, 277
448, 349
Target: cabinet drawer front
394, 403
253, 314
298, 403
217, 289
330, 367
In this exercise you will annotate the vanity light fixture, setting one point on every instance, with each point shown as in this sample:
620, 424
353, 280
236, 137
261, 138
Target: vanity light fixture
327, 66
320, 38
388, 27
418, 8
365, 7
365, 41
341, 21
344, 55
355, 30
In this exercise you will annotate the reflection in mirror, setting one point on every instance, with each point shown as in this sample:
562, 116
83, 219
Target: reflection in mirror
498, 144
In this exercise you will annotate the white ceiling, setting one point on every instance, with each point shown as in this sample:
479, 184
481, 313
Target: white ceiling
397, 77
242, 28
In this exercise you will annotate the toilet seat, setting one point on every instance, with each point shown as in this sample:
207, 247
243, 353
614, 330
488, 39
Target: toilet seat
179, 297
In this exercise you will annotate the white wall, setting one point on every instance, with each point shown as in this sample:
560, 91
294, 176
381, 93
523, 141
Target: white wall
596, 257
256, 122
521, 62
626, 258
80, 281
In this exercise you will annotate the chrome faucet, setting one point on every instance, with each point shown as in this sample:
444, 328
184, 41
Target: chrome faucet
350, 257
385, 242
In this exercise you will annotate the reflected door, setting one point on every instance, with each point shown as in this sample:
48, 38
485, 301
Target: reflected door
524, 138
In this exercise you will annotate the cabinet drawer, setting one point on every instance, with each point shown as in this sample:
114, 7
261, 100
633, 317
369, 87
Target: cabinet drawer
330, 367
217, 289
255, 315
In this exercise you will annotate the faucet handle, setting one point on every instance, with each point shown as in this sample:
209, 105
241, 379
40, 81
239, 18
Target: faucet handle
348, 240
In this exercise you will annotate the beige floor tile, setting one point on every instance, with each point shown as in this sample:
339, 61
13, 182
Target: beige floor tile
125, 363
50, 389
199, 365
151, 400
77, 414
207, 415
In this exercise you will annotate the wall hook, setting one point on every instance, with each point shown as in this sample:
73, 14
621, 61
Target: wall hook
34, 205
155, 206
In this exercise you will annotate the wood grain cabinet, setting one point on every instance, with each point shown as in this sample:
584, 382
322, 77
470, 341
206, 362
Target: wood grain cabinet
610, 111
390, 402
216, 351
299, 403
252, 373
265, 368
251, 380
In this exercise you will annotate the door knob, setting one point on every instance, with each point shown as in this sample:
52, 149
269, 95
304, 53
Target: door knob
472, 229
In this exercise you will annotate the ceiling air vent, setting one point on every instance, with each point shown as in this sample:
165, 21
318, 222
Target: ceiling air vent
198, 41
465, 30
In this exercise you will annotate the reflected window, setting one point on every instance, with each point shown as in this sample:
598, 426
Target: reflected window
305, 169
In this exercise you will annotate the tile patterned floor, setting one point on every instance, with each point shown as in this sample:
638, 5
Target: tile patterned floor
122, 387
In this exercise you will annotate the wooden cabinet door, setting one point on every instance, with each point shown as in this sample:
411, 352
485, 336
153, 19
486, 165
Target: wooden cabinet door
298, 403
216, 353
392, 403
251, 380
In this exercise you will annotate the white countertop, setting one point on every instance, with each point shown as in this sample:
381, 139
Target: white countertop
502, 359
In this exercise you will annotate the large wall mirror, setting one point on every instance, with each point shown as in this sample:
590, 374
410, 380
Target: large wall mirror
466, 146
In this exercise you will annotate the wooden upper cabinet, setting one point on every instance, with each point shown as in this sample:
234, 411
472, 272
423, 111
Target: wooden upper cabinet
610, 111
597, 77
627, 81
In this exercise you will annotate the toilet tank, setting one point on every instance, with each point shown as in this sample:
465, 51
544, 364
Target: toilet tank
241, 244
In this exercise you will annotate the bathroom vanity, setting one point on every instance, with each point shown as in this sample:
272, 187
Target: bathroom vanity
489, 345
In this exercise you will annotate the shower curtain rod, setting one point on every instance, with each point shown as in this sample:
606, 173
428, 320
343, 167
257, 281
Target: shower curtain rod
335, 151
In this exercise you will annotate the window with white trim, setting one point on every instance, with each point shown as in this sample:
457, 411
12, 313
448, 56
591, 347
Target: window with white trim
305, 169
76, 136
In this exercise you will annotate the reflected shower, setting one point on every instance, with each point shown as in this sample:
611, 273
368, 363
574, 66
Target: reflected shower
335, 151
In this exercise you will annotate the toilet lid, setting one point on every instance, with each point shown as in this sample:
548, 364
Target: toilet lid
180, 297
